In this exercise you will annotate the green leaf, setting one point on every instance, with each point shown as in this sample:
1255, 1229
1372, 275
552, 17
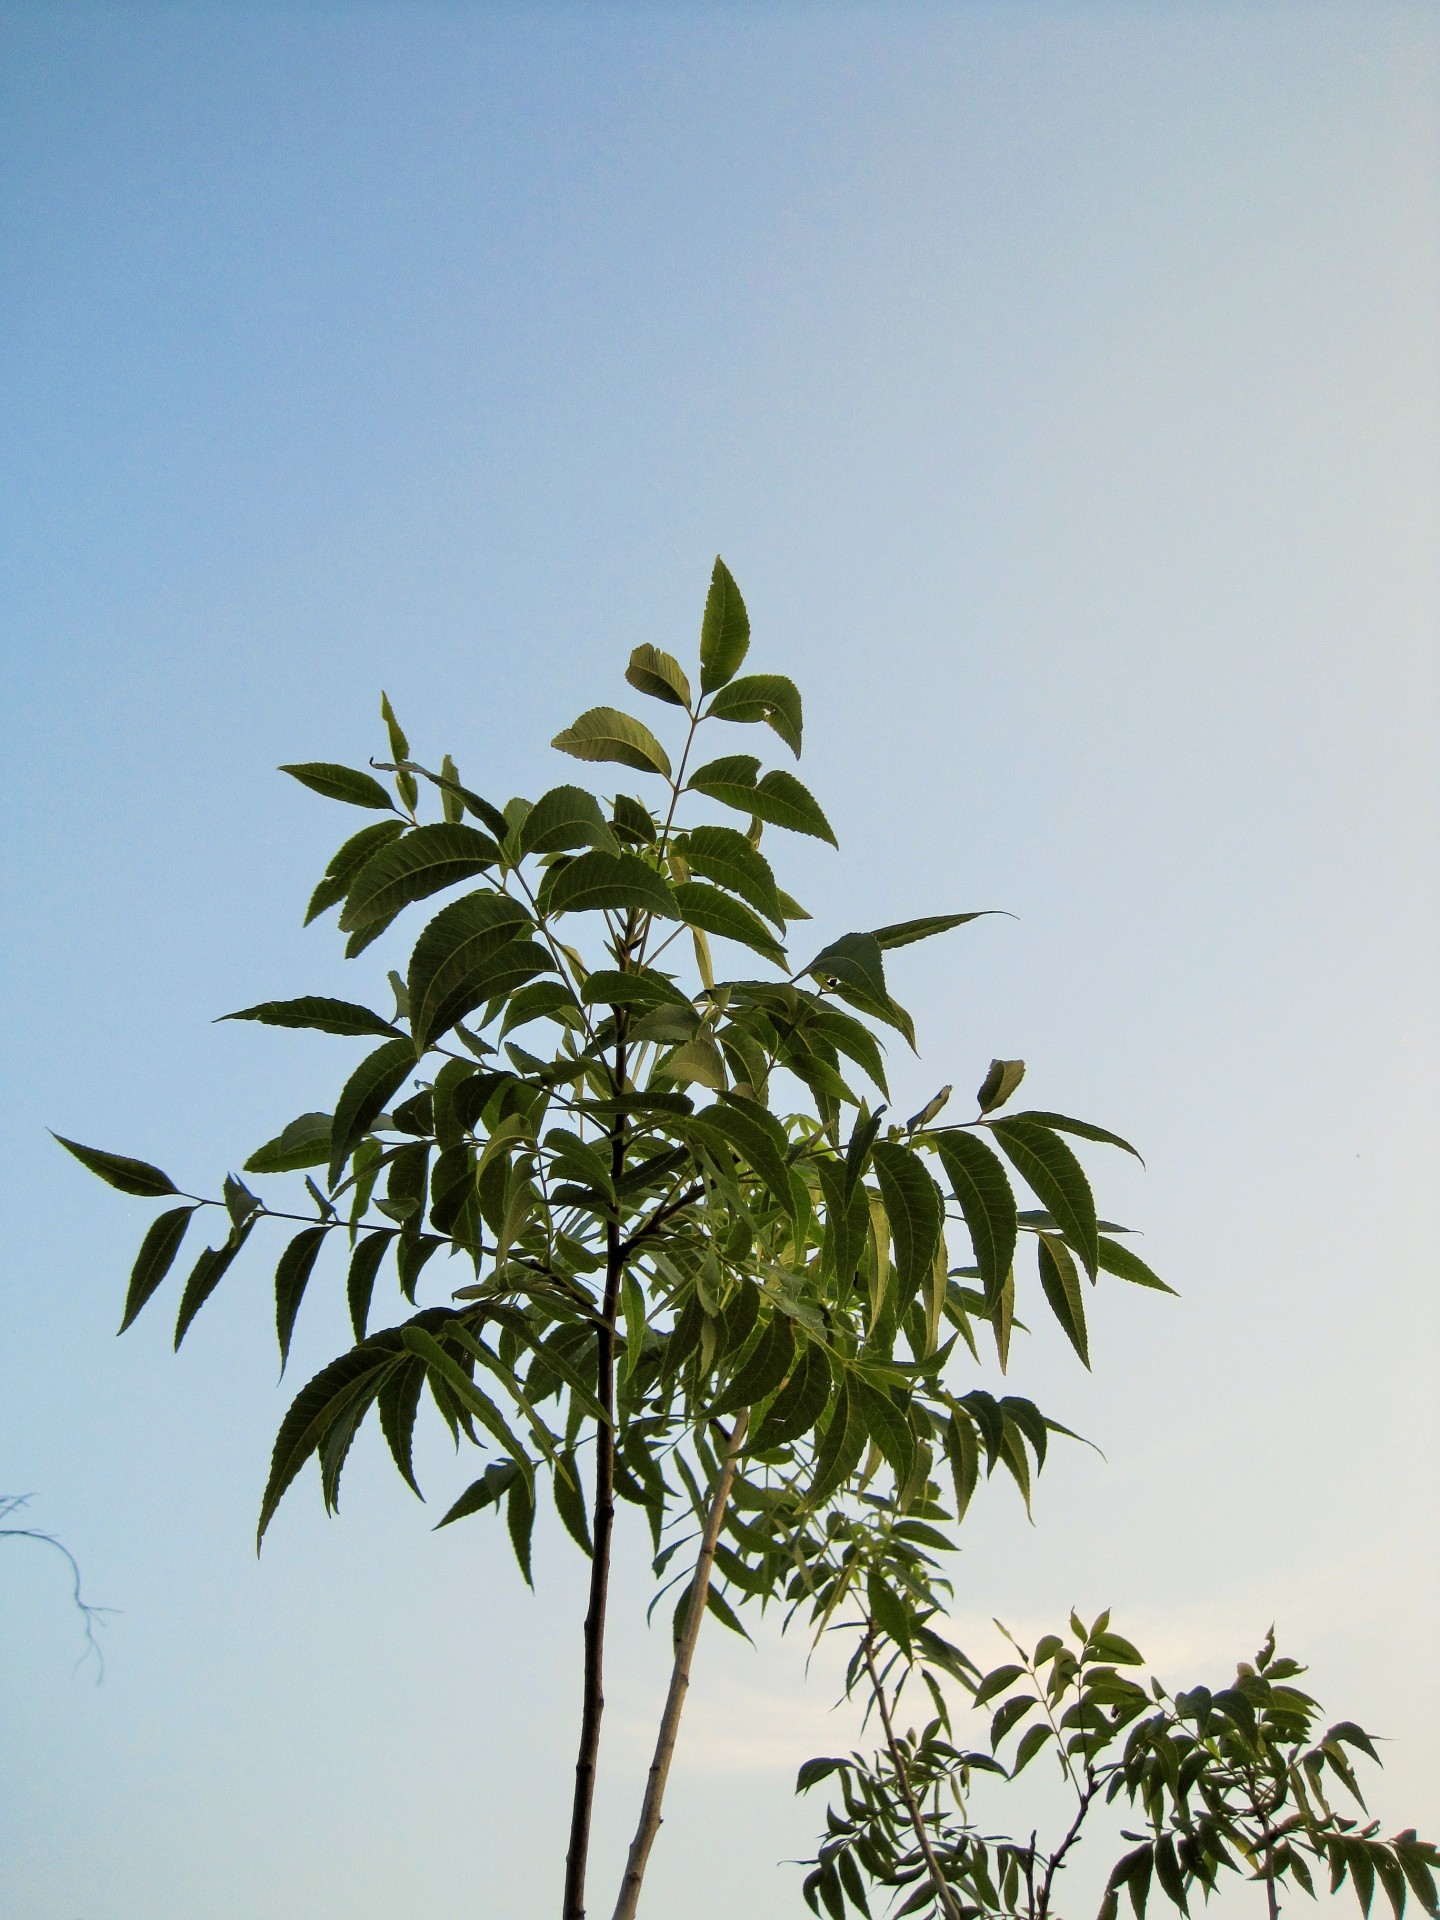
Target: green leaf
314, 1011
717, 1604
360, 1282
450, 966
620, 881
1049, 1167
1125, 1265
660, 675
727, 857
207, 1273
905, 932
844, 1440
118, 1170
999, 1083
779, 798
362, 1100
488, 1491
642, 988
1033, 1740
348, 862
1061, 1284
798, 1405
852, 966
297, 1263
755, 1135
814, 1771
341, 783
155, 1258
697, 1062
464, 1389
724, 630
1062, 1124
425, 861
762, 696
995, 1683
564, 818
770, 1360
353, 1376
539, 1002
716, 912
304, 1143
604, 733
887, 1427
888, 1610
520, 1524
980, 1186
916, 1213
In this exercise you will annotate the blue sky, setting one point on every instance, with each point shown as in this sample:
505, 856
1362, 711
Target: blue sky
1060, 382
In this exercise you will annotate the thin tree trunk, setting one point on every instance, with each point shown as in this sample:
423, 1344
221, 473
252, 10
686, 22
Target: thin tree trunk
603, 1525
649, 1826
902, 1774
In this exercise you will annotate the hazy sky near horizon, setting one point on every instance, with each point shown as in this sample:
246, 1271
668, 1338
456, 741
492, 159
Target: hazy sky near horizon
1060, 382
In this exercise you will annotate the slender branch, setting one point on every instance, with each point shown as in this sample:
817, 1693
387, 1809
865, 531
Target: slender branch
603, 1524
93, 1616
1057, 1859
661, 1214
649, 1825
902, 1774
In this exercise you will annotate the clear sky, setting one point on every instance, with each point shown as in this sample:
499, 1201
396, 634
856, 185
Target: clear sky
1060, 382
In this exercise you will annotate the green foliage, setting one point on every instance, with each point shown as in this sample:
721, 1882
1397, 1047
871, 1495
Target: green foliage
669, 1204
1237, 1780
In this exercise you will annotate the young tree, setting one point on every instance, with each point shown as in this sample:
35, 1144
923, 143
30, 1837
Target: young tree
1230, 1780
676, 1210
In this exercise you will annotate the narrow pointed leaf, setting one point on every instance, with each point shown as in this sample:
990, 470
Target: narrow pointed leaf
155, 1258
315, 1012
725, 856
979, 1183
716, 912
905, 932
1061, 1284
119, 1170
363, 1098
292, 1275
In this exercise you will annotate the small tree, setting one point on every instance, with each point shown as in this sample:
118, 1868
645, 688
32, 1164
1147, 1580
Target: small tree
698, 1255
1232, 1780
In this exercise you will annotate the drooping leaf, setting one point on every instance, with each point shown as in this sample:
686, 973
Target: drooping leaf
980, 1186
564, 818
660, 675
716, 912
459, 1383
119, 1170
1061, 1284
905, 932
799, 1404
915, 1211
207, 1273
852, 966
843, 1442
604, 733
1048, 1166
292, 1275
620, 881
727, 857
315, 1408
362, 1100
315, 1012
763, 696
449, 968
360, 1282
724, 630
348, 862
155, 1258
887, 1427
770, 1360
341, 783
